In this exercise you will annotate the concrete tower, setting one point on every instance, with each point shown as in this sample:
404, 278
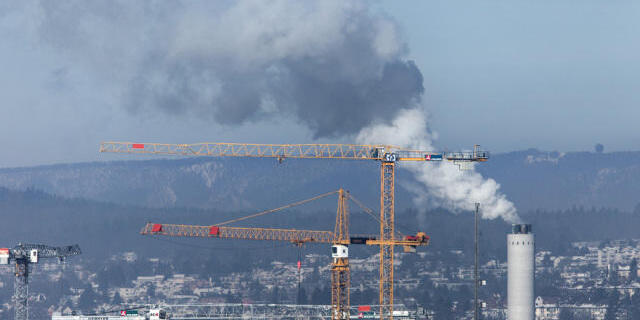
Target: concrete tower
521, 273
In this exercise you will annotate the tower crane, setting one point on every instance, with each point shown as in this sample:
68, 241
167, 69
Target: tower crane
24, 255
339, 238
387, 155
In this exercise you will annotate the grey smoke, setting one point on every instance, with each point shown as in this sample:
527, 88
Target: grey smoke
335, 66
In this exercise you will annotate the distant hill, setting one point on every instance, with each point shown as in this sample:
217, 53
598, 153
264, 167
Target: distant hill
532, 179
103, 229
232, 184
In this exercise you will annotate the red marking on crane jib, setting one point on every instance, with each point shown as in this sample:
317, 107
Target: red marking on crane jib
213, 231
137, 146
364, 308
156, 228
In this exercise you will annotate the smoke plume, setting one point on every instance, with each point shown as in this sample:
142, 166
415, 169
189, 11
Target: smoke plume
332, 65
441, 184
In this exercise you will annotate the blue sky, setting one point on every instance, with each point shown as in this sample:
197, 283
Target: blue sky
556, 75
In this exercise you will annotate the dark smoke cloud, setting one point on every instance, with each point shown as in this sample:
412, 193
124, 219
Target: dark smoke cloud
333, 65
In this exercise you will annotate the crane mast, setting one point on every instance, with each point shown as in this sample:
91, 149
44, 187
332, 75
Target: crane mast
387, 225
340, 273
387, 155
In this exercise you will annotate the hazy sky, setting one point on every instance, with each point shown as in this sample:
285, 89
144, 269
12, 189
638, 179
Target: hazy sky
557, 75
516, 74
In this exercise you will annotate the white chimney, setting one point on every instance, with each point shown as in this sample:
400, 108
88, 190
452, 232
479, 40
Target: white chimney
521, 273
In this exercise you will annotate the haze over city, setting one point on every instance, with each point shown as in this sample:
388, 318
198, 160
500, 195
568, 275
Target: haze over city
493, 145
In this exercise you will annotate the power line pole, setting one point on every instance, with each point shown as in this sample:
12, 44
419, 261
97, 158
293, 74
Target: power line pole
475, 268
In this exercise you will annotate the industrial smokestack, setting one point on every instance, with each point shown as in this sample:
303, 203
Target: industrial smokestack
520, 272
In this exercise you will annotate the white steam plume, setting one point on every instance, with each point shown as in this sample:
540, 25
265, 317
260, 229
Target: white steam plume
442, 184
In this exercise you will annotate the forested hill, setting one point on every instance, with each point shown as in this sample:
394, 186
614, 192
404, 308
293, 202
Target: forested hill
532, 179
551, 180
103, 229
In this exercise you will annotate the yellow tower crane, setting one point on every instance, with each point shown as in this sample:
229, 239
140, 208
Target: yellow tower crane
387, 156
340, 272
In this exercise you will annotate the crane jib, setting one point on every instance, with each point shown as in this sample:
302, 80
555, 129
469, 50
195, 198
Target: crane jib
383, 153
292, 235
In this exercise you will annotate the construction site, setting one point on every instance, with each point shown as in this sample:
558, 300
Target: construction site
338, 242
283, 159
